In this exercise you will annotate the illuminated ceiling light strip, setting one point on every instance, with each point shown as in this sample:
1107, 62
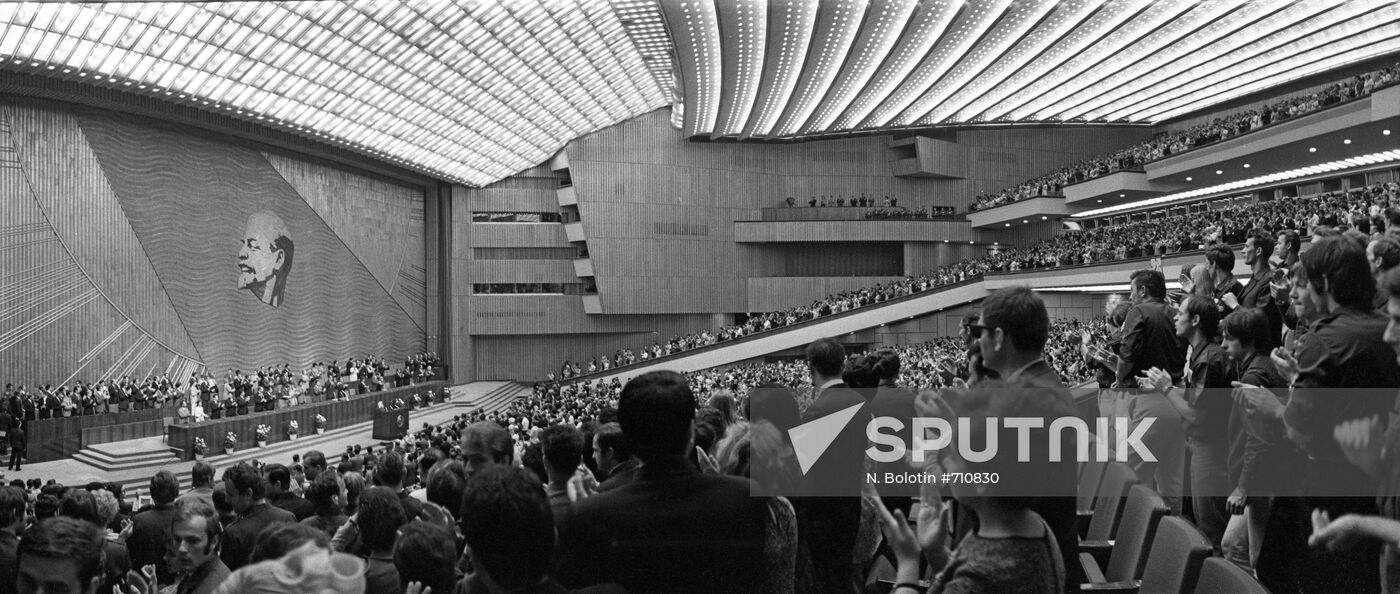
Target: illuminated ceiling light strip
743, 62
1385, 44
1294, 61
696, 28
1235, 56
1048, 66
837, 27
1012, 31
931, 20
798, 18
1159, 26
965, 31
886, 20
1165, 62
1373, 158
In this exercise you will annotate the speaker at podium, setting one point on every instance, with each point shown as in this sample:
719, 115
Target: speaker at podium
390, 423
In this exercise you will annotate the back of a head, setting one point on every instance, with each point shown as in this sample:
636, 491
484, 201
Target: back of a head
655, 412
279, 539
507, 522
776, 404
12, 505
425, 553
1337, 266
247, 478
859, 372
390, 470
1221, 257
202, 475
886, 364
826, 357
491, 438
446, 482
1021, 316
164, 487
563, 447
354, 485
63, 538
80, 504
723, 401
1120, 313
323, 490
381, 516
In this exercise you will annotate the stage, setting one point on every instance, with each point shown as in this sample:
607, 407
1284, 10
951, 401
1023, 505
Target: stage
180, 436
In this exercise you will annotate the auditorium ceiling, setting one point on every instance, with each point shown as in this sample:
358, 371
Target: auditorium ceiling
473, 91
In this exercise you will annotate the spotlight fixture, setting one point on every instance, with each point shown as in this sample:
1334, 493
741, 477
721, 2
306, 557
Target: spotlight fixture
1385, 132
1218, 172
1312, 149
1188, 178
1346, 141
1246, 165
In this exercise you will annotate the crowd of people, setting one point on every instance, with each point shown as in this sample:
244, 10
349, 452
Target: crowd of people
861, 200
676, 483
1161, 234
1170, 143
263, 389
924, 212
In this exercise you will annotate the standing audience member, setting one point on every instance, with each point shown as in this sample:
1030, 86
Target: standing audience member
12, 502
425, 553
151, 529
380, 518
60, 555
201, 485
279, 494
510, 534
326, 493
672, 529
247, 492
614, 459
80, 504
563, 453
1340, 371
1203, 399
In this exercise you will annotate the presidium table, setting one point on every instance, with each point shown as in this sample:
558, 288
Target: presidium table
357, 409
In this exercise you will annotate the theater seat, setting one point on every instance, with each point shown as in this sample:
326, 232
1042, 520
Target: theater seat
1219, 575
1090, 475
1123, 558
1175, 559
1108, 503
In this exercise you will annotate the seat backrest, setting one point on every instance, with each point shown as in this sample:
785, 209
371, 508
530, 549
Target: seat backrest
1175, 558
1108, 505
1219, 575
1090, 475
1141, 513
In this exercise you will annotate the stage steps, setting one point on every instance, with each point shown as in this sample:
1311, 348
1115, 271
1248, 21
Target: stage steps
123, 455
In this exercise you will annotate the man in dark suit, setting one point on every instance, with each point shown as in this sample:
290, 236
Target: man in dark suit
827, 524
1015, 326
895, 402
247, 492
1149, 334
19, 444
672, 529
279, 482
1258, 247
151, 528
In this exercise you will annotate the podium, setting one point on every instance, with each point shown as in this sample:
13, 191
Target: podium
390, 424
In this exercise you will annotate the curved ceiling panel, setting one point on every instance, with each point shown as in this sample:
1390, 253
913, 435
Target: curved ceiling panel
851, 66
466, 91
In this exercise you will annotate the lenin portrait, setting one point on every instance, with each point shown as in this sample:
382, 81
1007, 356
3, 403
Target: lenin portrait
265, 257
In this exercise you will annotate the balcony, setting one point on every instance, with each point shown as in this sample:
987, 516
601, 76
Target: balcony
1051, 207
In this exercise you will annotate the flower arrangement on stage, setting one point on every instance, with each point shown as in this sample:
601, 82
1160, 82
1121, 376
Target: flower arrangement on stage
293, 428
398, 403
380, 405
319, 423
230, 441
200, 448
261, 434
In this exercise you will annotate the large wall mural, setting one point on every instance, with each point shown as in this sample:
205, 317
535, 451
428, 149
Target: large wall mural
131, 248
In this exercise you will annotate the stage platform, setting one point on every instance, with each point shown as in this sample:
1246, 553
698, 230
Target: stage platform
110, 463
